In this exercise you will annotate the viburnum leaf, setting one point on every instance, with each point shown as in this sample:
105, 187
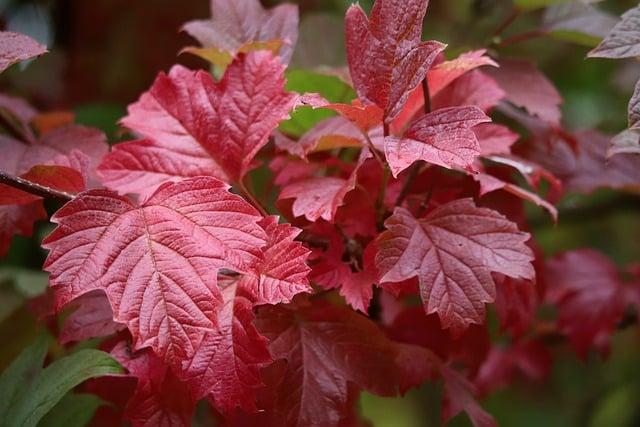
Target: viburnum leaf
443, 137
195, 126
623, 40
327, 348
234, 25
284, 273
586, 287
18, 220
526, 87
157, 262
16, 47
474, 88
160, 399
227, 361
386, 57
320, 197
627, 142
452, 251
634, 108
578, 22
459, 396
516, 304
357, 289
495, 138
57, 177
92, 318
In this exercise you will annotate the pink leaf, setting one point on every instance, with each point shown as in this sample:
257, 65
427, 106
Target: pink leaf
16, 47
452, 251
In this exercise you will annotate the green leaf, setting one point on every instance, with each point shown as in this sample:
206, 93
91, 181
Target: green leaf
301, 81
21, 373
50, 386
74, 410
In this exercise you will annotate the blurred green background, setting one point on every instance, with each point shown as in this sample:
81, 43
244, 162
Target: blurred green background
104, 53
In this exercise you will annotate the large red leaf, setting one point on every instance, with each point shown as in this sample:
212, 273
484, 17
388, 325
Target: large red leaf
160, 399
16, 47
239, 23
443, 137
327, 348
453, 251
386, 57
156, 262
196, 126
227, 362
587, 289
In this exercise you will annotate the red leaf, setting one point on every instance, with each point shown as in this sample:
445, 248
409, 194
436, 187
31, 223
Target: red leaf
472, 89
327, 348
92, 318
443, 137
160, 400
16, 47
452, 251
386, 57
357, 287
320, 197
157, 262
284, 272
18, 220
494, 138
459, 396
56, 177
241, 22
364, 117
516, 304
195, 126
227, 361
525, 86
587, 289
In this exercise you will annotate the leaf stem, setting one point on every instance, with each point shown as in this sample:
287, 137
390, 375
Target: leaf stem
34, 188
519, 38
508, 20
383, 187
251, 198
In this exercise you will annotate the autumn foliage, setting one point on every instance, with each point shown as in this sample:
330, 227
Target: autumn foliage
368, 257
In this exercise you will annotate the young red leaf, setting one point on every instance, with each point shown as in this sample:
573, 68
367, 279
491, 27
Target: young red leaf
320, 197
157, 262
92, 318
327, 348
160, 399
587, 289
443, 137
494, 138
386, 57
452, 251
459, 396
195, 126
526, 87
236, 24
623, 40
357, 287
284, 273
227, 360
16, 47
472, 89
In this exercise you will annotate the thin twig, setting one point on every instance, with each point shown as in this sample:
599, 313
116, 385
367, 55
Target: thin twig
34, 188
373, 150
519, 38
506, 23
251, 198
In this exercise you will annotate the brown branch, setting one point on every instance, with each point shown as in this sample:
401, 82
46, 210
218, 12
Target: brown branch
34, 188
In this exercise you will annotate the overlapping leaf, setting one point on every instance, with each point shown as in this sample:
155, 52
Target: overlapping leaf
623, 40
16, 47
452, 251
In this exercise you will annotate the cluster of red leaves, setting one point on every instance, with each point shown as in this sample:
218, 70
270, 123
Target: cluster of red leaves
409, 193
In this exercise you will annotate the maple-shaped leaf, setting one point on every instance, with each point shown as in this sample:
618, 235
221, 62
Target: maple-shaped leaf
234, 25
16, 47
284, 273
227, 361
195, 126
516, 304
157, 262
586, 288
387, 58
320, 197
527, 87
326, 349
160, 399
453, 251
92, 318
623, 40
443, 137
